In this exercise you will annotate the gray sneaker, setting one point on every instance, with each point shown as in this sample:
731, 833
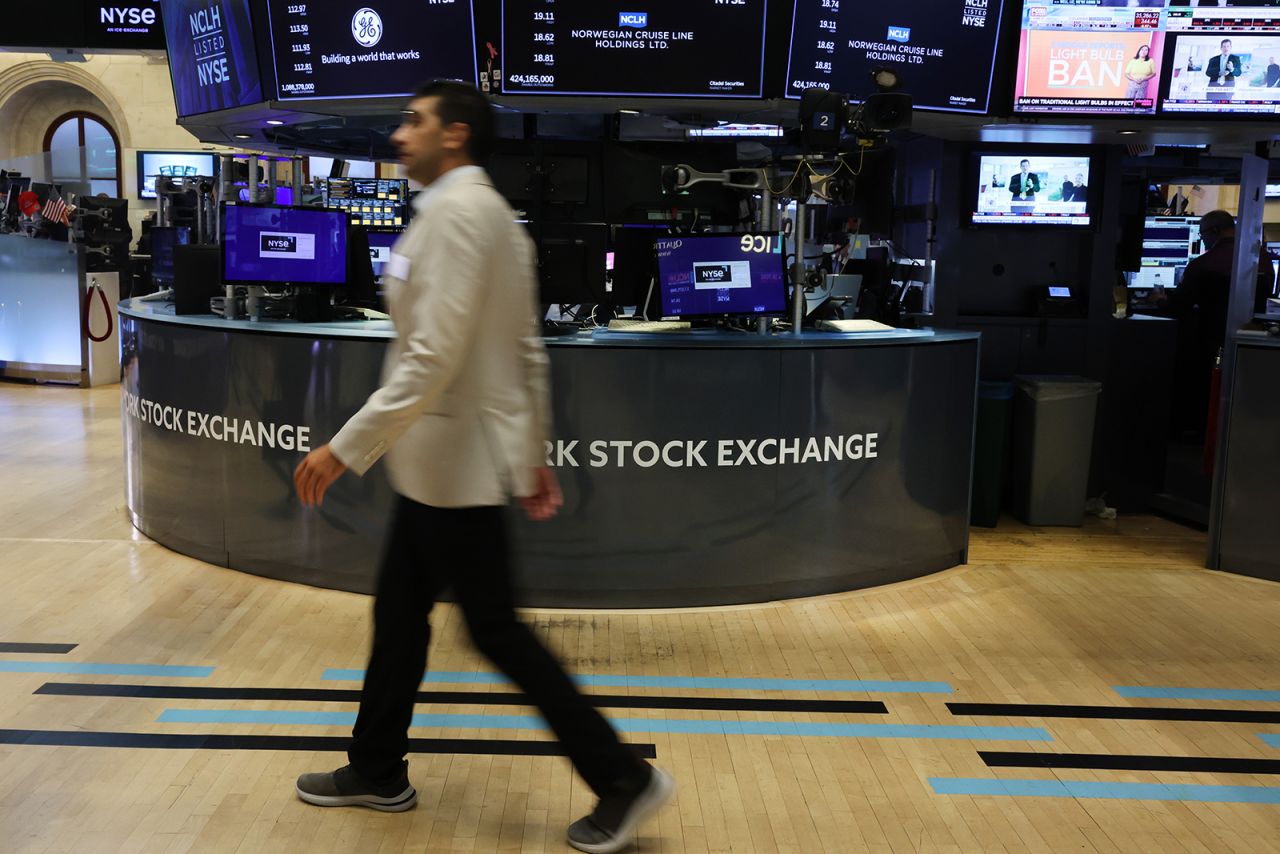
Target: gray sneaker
612, 824
346, 788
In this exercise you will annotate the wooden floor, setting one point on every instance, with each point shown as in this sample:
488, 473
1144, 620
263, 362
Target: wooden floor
1038, 617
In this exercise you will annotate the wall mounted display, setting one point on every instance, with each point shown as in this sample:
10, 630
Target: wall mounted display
353, 50
673, 48
943, 51
212, 58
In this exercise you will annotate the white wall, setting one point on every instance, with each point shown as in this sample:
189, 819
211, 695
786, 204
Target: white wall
132, 92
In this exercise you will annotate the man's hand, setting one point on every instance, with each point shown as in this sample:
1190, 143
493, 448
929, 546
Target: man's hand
547, 500
315, 474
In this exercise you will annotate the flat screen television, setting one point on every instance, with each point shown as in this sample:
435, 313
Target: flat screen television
1031, 189
672, 48
175, 164
721, 274
213, 60
1102, 59
272, 244
943, 50
369, 50
1222, 60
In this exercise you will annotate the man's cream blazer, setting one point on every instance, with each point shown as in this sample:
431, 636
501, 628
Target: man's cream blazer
464, 406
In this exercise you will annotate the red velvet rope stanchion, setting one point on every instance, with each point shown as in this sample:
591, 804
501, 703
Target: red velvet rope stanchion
88, 307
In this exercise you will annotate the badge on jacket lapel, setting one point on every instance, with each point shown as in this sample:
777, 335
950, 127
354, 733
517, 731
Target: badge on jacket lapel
398, 267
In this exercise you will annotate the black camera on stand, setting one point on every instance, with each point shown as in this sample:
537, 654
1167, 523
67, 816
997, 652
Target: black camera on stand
825, 116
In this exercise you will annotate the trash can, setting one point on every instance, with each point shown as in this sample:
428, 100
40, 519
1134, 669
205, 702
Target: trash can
1053, 418
990, 452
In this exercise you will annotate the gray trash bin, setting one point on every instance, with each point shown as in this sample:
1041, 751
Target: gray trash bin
1053, 420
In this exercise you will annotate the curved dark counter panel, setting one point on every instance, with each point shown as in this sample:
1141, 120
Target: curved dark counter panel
698, 469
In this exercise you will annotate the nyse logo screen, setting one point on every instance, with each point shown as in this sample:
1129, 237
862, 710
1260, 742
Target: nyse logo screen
708, 275
287, 246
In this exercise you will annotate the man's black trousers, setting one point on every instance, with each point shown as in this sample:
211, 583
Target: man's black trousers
431, 549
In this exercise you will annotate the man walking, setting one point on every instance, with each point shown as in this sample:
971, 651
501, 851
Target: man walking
462, 415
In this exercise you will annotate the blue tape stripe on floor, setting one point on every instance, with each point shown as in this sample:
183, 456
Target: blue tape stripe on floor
1107, 791
1270, 739
1244, 695
724, 683
104, 669
966, 733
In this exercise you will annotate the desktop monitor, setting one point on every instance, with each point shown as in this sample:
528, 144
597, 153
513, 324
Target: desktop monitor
269, 244
163, 241
571, 262
372, 202
1029, 188
1168, 245
380, 243
721, 274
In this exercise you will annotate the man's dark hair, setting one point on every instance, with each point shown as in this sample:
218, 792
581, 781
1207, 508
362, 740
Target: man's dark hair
462, 102
1216, 223
1028, 162
1225, 41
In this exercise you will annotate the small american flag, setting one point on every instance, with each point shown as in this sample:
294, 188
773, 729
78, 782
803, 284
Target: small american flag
55, 209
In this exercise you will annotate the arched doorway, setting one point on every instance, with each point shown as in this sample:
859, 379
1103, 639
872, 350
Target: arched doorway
84, 150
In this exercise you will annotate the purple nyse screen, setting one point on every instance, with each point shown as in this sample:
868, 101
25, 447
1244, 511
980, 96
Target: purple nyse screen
721, 274
302, 246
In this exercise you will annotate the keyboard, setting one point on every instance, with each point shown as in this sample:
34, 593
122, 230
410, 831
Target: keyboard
852, 326
622, 324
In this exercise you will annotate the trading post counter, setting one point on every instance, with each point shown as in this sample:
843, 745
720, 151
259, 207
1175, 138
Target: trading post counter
698, 468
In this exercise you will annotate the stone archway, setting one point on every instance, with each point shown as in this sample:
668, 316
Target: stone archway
33, 94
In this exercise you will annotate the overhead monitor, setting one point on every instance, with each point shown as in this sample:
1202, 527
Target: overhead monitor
721, 274
1100, 58
943, 51
323, 167
173, 164
380, 243
674, 48
1028, 188
212, 57
371, 202
1168, 245
1222, 60
122, 24
269, 244
360, 50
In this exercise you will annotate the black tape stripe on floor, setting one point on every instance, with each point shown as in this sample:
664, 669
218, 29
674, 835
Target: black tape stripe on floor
335, 744
471, 698
39, 648
1132, 713
1107, 762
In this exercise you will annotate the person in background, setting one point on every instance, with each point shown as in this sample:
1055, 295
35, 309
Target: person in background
1080, 191
1025, 184
1139, 72
1222, 71
462, 416
1273, 73
1200, 305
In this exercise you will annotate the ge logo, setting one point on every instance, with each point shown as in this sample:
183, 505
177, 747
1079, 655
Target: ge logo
366, 27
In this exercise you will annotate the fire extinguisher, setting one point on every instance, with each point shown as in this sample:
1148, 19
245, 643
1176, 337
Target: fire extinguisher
1211, 428
88, 308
